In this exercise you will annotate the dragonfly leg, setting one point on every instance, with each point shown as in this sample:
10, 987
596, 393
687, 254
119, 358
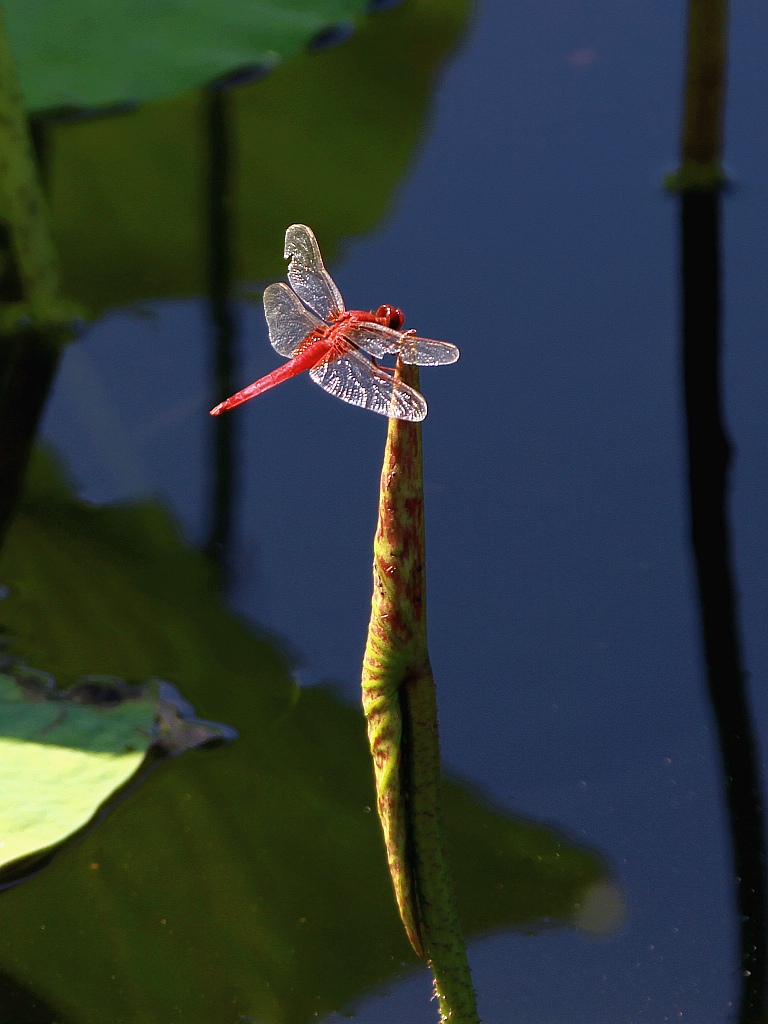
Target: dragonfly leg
381, 366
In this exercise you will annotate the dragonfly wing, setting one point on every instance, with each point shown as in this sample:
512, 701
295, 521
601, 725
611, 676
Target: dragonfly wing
353, 378
289, 322
425, 351
374, 338
307, 274
382, 341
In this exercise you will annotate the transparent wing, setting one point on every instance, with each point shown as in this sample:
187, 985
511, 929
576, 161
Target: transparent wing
381, 341
354, 379
307, 275
374, 338
289, 322
426, 352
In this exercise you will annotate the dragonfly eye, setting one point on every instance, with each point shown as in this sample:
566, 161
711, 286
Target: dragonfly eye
391, 316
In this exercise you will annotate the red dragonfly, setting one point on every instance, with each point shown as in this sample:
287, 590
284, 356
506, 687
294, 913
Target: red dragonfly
309, 324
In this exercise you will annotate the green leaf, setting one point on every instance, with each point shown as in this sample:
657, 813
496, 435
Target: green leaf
83, 53
63, 753
323, 141
247, 881
60, 759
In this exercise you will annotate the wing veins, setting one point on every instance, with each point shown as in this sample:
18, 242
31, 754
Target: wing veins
353, 378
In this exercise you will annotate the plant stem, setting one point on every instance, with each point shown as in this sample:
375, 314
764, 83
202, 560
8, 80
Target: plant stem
401, 709
34, 321
22, 210
707, 52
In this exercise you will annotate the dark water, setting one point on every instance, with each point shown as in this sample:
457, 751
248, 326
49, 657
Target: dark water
532, 230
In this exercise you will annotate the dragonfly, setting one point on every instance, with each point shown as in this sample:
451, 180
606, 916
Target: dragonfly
309, 325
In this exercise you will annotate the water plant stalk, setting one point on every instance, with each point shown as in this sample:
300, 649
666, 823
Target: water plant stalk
400, 705
34, 321
704, 102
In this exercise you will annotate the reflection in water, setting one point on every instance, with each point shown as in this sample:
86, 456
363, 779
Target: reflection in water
28, 362
709, 455
709, 460
224, 462
251, 875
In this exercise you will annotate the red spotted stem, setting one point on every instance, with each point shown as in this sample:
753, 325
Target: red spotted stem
401, 711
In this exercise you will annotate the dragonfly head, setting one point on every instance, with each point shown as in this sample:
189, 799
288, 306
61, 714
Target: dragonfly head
390, 316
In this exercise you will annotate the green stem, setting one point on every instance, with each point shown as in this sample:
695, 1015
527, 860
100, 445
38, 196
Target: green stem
707, 52
401, 709
34, 321
438, 917
22, 208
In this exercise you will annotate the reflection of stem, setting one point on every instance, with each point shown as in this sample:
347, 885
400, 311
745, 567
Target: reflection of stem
709, 458
28, 364
219, 279
34, 322
401, 710
709, 455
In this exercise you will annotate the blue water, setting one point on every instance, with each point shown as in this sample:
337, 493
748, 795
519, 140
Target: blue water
533, 231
